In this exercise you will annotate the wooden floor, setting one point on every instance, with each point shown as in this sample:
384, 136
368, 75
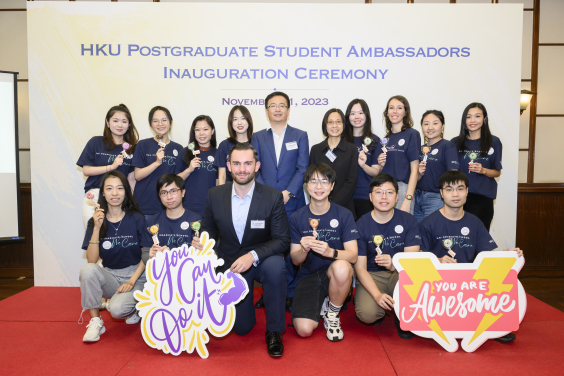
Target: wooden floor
548, 290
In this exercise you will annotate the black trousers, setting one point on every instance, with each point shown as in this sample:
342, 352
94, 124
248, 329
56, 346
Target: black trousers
482, 207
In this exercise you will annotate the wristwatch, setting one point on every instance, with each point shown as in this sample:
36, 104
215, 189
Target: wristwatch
409, 197
335, 254
291, 195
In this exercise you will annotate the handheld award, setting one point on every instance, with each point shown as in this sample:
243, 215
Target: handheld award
378, 240
154, 231
125, 147
314, 223
196, 227
90, 196
447, 244
192, 147
384, 142
473, 157
425, 150
367, 141
160, 142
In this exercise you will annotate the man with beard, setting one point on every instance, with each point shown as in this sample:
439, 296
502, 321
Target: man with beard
174, 224
249, 222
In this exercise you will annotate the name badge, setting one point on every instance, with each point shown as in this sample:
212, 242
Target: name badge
257, 224
291, 145
330, 156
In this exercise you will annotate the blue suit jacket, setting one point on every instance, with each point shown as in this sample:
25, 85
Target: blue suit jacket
288, 174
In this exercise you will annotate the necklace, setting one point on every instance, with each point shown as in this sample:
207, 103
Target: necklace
116, 228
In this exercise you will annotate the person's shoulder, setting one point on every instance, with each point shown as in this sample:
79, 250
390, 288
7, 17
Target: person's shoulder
496, 140
412, 131
260, 133
297, 131
299, 213
471, 220
144, 143
454, 140
447, 144
341, 210
175, 144
405, 217
191, 216
223, 143
266, 190
375, 138
432, 218
365, 219
155, 218
136, 217
220, 189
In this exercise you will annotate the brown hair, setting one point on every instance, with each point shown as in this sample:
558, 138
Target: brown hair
407, 120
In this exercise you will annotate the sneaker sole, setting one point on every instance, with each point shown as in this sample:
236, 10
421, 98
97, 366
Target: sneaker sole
334, 339
102, 331
133, 322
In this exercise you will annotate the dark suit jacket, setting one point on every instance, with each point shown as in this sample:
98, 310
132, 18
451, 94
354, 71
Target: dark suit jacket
345, 167
267, 205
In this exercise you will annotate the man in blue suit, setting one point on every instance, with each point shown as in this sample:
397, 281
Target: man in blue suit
283, 152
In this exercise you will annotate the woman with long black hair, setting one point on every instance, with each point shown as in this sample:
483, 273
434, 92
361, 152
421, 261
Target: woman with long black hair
114, 234
479, 155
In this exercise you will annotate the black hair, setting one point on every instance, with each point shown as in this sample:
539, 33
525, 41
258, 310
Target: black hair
347, 132
321, 169
366, 129
486, 140
407, 119
192, 138
163, 109
276, 94
131, 136
381, 179
247, 115
244, 146
169, 179
129, 205
438, 114
452, 177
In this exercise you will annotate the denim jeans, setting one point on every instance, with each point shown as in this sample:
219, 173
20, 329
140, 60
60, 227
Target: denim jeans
426, 203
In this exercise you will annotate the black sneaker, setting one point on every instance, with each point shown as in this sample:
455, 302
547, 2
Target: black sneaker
260, 302
402, 333
506, 338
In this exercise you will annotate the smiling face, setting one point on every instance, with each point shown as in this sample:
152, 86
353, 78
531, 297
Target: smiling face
334, 125
432, 127
243, 166
277, 110
357, 116
474, 119
118, 123
396, 111
203, 132
384, 197
454, 194
171, 196
160, 123
114, 191
240, 124
319, 187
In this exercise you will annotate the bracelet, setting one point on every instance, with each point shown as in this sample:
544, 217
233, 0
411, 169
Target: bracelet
91, 242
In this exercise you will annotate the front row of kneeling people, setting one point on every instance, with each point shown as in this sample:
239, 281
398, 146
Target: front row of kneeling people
250, 218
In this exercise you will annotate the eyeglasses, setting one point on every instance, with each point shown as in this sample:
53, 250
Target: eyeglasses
338, 122
157, 121
173, 192
323, 182
458, 189
280, 106
382, 193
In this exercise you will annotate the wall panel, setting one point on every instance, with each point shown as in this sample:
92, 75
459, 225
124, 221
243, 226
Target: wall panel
549, 153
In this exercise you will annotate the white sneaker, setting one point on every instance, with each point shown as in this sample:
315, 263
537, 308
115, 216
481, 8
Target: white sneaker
133, 318
94, 329
324, 308
332, 324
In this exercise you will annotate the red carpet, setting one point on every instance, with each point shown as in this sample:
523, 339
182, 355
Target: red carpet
39, 335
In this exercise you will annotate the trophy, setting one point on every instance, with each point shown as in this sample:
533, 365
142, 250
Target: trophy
161, 143
125, 146
384, 142
154, 231
447, 244
191, 147
90, 196
367, 141
473, 157
314, 223
425, 150
196, 227
378, 240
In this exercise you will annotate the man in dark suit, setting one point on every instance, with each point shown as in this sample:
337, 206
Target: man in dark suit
283, 153
249, 222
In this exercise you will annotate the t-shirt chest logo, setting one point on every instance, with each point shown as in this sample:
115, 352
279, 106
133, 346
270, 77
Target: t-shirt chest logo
399, 229
184, 225
435, 152
465, 231
107, 244
491, 151
401, 142
334, 223
175, 152
211, 158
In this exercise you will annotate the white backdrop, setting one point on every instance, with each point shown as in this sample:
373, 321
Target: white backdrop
72, 87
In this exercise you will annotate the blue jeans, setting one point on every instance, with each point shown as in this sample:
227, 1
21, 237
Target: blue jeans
426, 203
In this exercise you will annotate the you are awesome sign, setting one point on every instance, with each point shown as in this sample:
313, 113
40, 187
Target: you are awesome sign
184, 299
474, 301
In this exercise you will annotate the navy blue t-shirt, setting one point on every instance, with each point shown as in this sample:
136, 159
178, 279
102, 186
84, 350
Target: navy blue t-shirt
469, 236
363, 183
146, 189
442, 157
402, 148
401, 231
222, 157
121, 250
336, 227
479, 183
200, 181
96, 155
172, 232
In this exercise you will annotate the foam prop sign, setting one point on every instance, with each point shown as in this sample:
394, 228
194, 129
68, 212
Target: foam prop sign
184, 296
473, 301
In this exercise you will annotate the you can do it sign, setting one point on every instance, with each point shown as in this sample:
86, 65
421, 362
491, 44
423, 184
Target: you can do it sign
475, 301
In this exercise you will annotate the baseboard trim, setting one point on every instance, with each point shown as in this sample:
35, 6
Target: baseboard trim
10, 272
